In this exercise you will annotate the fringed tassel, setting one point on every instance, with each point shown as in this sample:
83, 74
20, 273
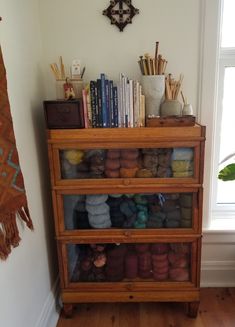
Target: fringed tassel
11, 231
4, 248
25, 216
9, 235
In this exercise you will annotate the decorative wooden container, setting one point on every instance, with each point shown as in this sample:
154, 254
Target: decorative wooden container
64, 114
171, 121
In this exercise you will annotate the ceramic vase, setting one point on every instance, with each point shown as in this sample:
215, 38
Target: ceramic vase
154, 90
171, 108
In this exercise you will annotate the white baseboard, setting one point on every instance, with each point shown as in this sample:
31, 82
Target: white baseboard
218, 274
50, 315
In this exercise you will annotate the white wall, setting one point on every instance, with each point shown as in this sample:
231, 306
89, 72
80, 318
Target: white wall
73, 29
77, 29
27, 277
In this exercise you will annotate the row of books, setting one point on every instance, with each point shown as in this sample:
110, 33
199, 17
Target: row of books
107, 105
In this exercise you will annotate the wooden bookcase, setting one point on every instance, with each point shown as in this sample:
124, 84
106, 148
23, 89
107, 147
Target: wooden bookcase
67, 149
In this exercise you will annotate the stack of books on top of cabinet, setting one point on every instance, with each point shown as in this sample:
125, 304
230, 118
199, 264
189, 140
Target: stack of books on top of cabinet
107, 105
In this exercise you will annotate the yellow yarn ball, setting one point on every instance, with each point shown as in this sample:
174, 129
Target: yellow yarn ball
74, 156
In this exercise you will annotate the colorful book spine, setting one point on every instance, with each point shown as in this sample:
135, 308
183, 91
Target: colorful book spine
93, 103
111, 103
99, 104
103, 101
120, 102
115, 106
88, 101
107, 97
85, 112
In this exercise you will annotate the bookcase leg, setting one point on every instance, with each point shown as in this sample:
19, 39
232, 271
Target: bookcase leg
192, 309
67, 310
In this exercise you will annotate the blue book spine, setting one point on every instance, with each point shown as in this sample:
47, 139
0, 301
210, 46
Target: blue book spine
99, 103
115, 106
111, 103
103, 100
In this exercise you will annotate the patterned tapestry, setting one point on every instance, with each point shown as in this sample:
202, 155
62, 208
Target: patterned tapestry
13, 202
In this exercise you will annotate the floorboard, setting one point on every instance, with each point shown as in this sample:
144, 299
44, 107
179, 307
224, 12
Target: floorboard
217, 309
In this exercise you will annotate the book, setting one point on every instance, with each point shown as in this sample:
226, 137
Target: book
107, 96
120, 102
85, 112
88, 101
115, 106
131, 101
93, 98
99, 104
111, 104
103, 101
142, 110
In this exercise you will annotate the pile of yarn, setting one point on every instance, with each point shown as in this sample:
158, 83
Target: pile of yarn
98, 211
115, 262
182, 162
185, 200
92, 263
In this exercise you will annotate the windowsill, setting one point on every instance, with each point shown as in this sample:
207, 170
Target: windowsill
221, 225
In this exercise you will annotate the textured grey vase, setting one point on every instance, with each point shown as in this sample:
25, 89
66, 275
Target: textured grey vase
154, 90
171, 108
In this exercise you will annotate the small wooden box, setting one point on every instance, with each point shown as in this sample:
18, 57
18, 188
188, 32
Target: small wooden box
64, 114
171, 121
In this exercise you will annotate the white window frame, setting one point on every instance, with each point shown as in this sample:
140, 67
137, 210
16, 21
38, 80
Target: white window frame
226, 59
214, 218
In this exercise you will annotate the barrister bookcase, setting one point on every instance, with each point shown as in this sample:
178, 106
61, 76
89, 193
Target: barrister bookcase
128, 214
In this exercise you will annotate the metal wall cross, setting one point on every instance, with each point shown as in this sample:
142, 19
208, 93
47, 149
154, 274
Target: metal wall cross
120, 12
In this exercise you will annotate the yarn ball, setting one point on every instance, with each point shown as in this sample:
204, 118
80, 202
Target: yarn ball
74, 157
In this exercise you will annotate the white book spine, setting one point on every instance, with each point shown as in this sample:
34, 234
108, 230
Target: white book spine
131, 101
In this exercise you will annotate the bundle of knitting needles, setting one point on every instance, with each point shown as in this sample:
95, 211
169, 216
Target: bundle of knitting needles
58, 72
152, 65
172, 87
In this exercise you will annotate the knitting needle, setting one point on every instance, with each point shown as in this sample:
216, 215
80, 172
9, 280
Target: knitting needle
62, 68
156, 57
83, 71
142, 65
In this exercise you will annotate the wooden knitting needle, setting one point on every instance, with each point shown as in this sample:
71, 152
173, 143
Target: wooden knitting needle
62, 68
156, 57
147, 58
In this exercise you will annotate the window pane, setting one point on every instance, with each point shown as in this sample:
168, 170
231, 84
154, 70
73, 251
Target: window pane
228, 24
226, 190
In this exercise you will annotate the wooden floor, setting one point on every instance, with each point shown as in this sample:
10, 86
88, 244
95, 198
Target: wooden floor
217, 309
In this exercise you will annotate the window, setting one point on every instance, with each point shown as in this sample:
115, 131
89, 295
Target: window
225, 123
218, 111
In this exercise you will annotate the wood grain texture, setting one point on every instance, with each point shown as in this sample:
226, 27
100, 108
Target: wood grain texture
136, 291
216, 310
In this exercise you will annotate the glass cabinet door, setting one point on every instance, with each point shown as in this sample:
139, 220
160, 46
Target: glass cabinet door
128, 211
156, 163
160, 262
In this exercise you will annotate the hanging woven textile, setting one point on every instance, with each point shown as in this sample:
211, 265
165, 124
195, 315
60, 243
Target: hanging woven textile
13, 202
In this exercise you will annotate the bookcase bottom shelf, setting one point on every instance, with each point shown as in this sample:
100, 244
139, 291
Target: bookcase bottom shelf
190, 298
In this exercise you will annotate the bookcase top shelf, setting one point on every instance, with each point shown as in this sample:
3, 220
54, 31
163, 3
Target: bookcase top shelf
195, 132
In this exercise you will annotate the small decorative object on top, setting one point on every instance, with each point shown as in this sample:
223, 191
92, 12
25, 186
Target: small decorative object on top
120, 12
187, 108
68, 90
62, 77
